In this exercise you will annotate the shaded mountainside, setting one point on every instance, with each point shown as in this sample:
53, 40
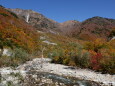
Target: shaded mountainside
15, 32
97, 27
90, 29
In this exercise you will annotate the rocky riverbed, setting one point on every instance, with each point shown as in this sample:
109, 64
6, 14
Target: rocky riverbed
40, 72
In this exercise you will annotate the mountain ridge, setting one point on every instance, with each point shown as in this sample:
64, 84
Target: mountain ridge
35, 19
89, 29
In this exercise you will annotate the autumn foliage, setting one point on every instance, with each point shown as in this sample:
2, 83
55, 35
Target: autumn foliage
15, 32
18, 37
23, 40
95, 61
98, 55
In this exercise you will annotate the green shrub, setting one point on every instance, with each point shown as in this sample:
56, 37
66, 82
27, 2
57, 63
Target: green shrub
66, 60
19, 53
82, 59
108, 65
57, 57
18, 56
3, 14
75, 45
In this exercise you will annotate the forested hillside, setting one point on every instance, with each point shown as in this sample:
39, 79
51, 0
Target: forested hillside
90, 29
16, 34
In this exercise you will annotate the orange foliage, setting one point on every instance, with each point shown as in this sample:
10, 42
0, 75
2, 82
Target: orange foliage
17, 31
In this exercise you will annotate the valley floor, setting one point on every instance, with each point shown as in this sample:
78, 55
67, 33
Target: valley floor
44, 65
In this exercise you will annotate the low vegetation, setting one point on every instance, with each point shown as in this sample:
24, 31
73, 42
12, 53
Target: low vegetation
98, 55
24, 43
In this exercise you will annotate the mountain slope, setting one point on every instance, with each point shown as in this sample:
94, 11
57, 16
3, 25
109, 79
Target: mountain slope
36, 19
68, 27
96, 27
15, 32
89, 29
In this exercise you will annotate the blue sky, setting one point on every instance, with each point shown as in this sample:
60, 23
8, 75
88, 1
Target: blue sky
63, 10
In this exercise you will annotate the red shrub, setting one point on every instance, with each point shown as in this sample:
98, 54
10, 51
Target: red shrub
95, 61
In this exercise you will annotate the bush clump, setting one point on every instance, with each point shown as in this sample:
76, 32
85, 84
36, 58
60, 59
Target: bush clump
17, 56
98, 55
3, 14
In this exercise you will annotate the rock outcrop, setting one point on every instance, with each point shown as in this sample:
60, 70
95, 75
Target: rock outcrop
35, 19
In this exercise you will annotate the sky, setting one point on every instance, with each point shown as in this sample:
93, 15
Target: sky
64, 10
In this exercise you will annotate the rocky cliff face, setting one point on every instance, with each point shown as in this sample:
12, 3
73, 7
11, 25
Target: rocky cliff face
36, 19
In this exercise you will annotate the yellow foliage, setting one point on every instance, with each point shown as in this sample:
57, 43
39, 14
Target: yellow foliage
95, 45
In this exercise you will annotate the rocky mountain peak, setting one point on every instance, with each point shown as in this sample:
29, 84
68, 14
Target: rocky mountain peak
70, 23
36, 19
